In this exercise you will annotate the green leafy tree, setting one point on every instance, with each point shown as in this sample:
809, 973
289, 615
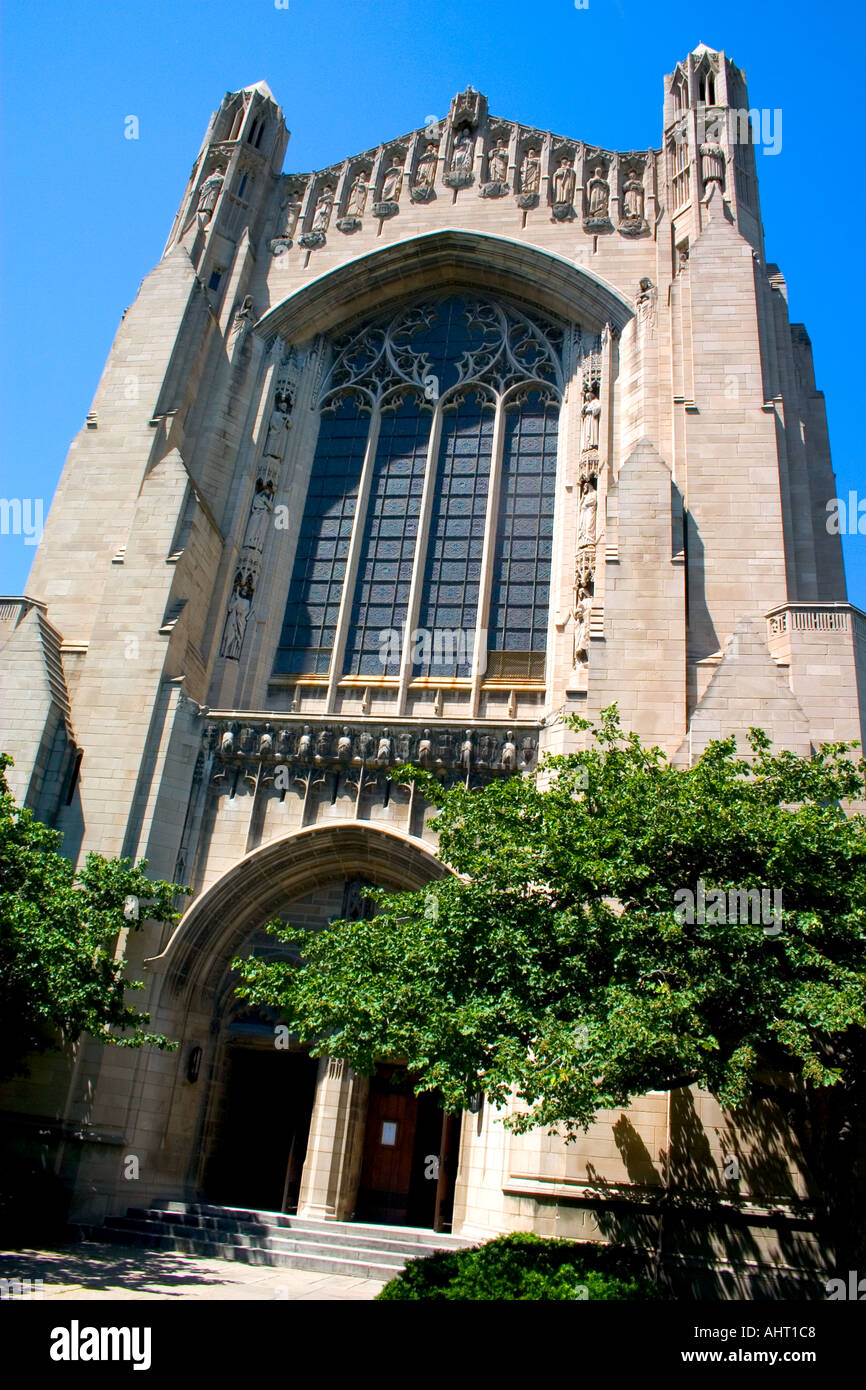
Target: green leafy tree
559, 963
58, 940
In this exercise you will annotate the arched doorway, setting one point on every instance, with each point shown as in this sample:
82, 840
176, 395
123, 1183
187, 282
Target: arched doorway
280, 1131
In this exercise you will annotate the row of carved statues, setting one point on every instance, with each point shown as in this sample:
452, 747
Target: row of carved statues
596, 201
444, 748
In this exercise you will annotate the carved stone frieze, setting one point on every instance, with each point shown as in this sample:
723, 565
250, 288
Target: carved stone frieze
488, 751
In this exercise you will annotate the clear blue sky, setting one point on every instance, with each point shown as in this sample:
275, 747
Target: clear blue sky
85, 212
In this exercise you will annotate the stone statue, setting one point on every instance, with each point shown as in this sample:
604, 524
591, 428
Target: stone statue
305, 745
383, 753
425, 750
591, 414
344, 746
582, 611
323, 743
244, 316
238, 612
322, 215
646, 302
509, 752
466, 751
462, 154
598, 193
358, 196
266, 743
712, 163
392, 183
587, 512
260, 516
425, 173
527, 749
530, 172
208, 194
497, 163
632, 197
277, 426
227, 743
564, 184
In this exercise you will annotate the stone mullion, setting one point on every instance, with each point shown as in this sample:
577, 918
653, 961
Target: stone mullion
414, 605
485, 581
352, 560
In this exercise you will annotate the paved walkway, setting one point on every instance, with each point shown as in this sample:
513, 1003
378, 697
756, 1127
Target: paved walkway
92, 1271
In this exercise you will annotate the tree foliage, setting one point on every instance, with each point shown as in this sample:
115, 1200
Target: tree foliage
553, 963
58, 939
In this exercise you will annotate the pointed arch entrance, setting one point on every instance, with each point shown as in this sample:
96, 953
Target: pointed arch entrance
276, 1129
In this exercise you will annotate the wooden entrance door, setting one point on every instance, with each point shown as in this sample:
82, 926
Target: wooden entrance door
408, 1167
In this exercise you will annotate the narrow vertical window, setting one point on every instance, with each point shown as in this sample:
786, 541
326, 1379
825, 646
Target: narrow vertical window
381, 599
520, 593
307, 638
449, 597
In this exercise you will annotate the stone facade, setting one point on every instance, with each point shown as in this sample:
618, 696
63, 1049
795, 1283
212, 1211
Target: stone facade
691, 579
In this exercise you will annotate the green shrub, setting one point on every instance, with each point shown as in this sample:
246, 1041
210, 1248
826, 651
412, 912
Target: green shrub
525, 1266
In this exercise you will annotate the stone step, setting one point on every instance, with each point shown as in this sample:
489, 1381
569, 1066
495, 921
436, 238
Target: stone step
251, 1255
417, 1235
184, 1224
284, 1245
257, 1237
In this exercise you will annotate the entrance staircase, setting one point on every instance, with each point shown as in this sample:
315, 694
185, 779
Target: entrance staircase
270, 1238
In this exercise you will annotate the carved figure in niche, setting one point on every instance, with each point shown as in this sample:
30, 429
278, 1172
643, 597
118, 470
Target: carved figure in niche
646, 301
712, 163
244, 316
260, 516
632, 196
383, 753
509, 752
322, 215
284, 743
530, 172
266, 744
344, 746
227, 743
357, 196
404, 748
365, 746
425, 173
466, 751
208, 194
237, 614
564, 183
305, 745
598, 193
392, 183
587, 512
497, 163
461, 157
527, 749
590, 417
582, 612
277, 426
425, 750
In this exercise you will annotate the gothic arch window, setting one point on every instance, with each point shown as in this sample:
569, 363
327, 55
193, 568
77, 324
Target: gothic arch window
430, 508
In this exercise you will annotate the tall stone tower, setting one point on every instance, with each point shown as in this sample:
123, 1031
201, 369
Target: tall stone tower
393, 462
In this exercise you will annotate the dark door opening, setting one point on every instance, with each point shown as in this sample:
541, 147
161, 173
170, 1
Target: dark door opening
259, 1153
409, 1165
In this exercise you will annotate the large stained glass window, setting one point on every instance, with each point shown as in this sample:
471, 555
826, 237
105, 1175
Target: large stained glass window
461, 396
310, 622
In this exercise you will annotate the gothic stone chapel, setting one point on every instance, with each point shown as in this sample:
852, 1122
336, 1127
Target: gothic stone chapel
427, 447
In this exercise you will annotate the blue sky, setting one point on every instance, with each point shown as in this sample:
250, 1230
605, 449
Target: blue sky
86, 212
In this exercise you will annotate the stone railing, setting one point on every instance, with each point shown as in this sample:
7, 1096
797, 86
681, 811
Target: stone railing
815, 617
